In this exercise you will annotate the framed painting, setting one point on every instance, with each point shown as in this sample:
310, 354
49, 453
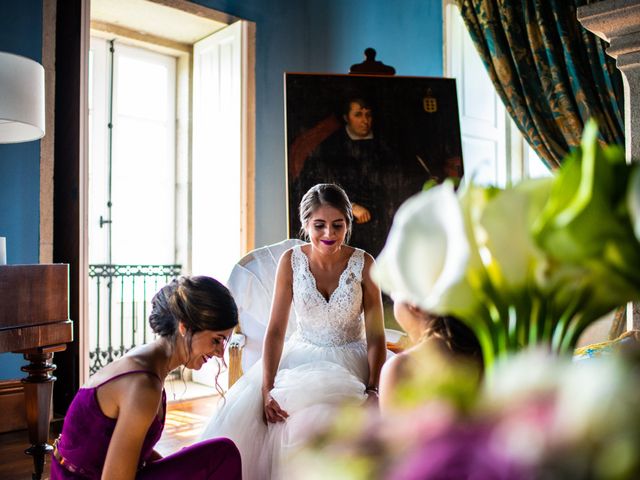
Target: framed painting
381, 138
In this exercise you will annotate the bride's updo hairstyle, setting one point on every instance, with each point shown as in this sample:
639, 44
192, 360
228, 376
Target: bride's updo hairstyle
325, 194
201, 303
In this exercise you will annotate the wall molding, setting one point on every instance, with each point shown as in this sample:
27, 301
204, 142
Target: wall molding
12, 403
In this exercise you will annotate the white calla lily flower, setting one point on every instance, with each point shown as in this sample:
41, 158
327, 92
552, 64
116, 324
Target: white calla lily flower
425, 258
506, 220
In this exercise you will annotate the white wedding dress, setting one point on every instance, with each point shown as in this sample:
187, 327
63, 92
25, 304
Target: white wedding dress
323, 365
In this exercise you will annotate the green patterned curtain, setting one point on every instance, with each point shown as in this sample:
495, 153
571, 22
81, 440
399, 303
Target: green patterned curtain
551, 74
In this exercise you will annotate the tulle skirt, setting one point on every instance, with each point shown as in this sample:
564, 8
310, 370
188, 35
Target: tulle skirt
311, 383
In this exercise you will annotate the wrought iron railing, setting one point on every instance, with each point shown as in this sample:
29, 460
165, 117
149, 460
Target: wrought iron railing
119, 305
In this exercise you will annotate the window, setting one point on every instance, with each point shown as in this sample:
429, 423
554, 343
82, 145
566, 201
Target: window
534, 167
494, 151
132, 155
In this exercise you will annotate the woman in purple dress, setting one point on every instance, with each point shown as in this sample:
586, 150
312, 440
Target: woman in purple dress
116, 419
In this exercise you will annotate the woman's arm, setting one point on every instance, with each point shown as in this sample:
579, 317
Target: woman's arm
374, 326
275, 334
138, 398
393, 372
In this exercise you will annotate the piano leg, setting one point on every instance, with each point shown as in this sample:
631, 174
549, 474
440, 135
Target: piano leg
38, 387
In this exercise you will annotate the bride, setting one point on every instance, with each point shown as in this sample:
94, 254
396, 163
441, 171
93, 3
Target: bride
334, 356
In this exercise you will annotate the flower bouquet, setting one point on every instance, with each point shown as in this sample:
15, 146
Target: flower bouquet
532, 264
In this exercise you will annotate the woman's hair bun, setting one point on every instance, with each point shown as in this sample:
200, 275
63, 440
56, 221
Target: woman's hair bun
199, 302
161, 319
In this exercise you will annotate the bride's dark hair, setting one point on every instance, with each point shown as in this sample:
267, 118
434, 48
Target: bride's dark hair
325, 194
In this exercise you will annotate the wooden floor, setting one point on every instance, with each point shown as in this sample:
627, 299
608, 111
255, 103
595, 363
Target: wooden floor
184, 423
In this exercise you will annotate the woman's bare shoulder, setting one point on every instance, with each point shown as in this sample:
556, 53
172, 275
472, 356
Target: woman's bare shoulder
395, 368
400, 360
286, 256
285, 260
349, 249
367, 256
138, 360
140, 396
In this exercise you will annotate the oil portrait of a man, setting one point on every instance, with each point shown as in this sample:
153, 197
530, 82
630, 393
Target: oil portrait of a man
373, 137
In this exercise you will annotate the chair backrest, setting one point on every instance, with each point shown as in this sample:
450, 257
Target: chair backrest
252, 282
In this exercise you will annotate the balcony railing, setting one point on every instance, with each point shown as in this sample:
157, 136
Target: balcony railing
119, 305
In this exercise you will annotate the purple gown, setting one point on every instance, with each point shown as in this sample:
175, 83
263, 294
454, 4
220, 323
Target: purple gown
86, 434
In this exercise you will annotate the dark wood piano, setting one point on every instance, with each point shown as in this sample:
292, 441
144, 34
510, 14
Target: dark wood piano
34, 321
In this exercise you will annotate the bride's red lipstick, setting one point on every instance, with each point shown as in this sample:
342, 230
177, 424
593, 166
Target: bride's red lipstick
328, 242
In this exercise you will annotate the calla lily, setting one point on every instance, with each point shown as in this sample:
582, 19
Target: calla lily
586, 231
506, 220
424, 260
583, 212
530, 264
473, 201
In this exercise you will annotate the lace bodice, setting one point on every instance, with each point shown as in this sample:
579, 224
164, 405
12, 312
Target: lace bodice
334, 322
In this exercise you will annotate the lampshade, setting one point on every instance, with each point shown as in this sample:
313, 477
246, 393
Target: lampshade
21, 99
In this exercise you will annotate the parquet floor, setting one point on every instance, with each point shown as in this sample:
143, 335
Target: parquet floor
184, 423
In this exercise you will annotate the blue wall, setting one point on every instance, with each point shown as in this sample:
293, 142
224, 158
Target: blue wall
323, 36
20, 33
406, 34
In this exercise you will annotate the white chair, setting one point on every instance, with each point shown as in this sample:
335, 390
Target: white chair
252, 282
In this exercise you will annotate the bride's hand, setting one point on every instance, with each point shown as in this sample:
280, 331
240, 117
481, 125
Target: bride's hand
272, 413
372, 397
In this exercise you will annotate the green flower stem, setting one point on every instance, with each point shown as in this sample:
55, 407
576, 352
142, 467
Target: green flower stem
577, 325
549, 324
563, 322
524, 320
487, 346
558, 332
538, 314
570, 336
499, 317
523, 327
512, 329
500, 330
487, 334
515, 326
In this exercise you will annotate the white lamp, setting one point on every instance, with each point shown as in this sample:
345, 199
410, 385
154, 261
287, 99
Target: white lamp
21, 99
